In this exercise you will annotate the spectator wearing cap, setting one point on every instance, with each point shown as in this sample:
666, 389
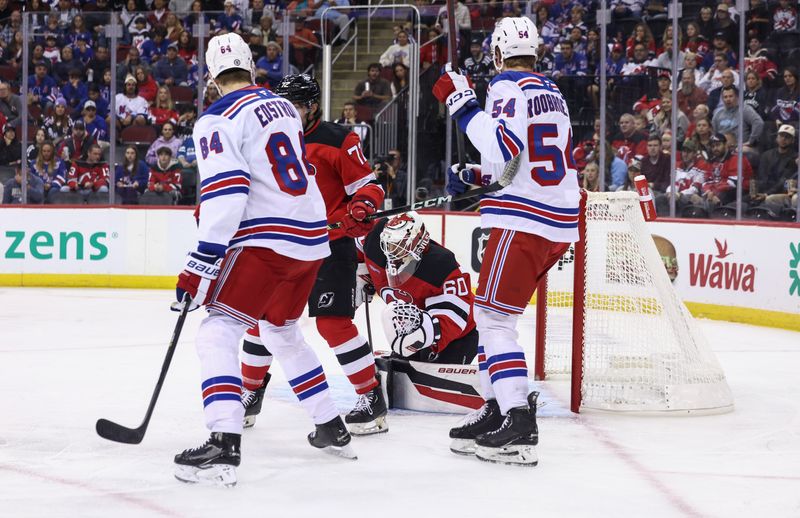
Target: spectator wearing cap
690, 173
270, 66
723, 23
10, 104
82, 51
616, 60
58, 126
10, 147
154, 47
719, 44
165, 177
41, 87
634, 169
784, 16
719, 185
258, 49
777, 165
12, 191
131, 107
726, 119
52, 50
100, 104
96, 127
74, 91
713, 78
171, 69
76, 145
167, 139
229, 20
147, 85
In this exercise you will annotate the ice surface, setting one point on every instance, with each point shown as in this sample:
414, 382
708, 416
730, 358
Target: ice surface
69, 356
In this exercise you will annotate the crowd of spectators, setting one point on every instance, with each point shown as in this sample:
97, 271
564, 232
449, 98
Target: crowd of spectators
68, 91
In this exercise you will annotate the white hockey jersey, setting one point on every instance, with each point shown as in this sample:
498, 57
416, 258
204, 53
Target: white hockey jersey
131, 106
256, 186
526, 114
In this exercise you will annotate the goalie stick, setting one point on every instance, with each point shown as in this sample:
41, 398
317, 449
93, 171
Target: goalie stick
509, 172
118, 433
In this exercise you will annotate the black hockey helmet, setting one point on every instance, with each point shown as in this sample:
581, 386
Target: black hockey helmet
300, 89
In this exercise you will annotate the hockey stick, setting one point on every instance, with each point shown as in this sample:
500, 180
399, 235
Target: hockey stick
452, 43
369, 326
509, 172
118, 433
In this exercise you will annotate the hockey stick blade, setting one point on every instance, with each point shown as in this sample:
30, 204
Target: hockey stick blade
118, 433
509, 171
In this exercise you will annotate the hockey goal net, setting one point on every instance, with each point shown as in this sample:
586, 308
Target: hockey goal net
612, 321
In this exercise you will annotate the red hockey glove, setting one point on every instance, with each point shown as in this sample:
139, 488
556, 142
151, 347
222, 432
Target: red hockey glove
360, 209
455, 90
354, 228
197, 279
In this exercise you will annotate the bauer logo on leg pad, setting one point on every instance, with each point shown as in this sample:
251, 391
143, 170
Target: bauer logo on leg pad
325, 300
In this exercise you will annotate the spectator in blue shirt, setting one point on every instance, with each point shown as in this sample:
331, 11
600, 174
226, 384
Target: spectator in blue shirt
74, 91
616, 60
13, 189
153, 48
230, 21
82, 51
186, 154
95, 126
68, 63
100, 104
271, 64
41, 87
568, 62
171, 69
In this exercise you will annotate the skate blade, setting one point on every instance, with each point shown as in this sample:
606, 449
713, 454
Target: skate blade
517, 455
223, 475
371, 428
249, 421
463, 446
346, 451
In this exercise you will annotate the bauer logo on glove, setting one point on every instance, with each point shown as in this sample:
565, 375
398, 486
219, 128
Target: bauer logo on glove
409, 329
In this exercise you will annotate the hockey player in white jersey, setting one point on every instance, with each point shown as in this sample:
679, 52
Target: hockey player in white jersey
263, 235
532, 222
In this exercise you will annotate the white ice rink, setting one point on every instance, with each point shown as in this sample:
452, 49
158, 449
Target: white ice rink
68, 357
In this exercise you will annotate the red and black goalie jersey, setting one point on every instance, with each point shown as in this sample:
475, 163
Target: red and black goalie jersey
341, 169
438, 285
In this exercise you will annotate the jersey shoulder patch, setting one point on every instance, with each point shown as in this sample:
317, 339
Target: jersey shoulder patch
327, 133
437, 264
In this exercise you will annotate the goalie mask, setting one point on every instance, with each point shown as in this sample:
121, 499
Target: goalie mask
513, 37
403, 240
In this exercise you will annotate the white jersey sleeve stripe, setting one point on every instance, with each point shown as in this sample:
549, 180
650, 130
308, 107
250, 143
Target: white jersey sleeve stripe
358, 184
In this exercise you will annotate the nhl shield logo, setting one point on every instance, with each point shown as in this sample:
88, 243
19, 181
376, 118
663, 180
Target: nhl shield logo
325, 300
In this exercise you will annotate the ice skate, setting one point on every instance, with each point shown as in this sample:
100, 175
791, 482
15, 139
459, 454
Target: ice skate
213, 463
369, 415
332, 437
252, 400
516, 439
485, 419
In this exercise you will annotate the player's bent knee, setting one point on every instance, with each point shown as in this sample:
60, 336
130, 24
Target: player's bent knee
336, 330
218, 330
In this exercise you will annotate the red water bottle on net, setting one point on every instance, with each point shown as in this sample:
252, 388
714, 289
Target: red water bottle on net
645, 198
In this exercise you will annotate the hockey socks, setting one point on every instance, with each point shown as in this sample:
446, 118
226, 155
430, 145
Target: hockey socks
256, 360
352, 351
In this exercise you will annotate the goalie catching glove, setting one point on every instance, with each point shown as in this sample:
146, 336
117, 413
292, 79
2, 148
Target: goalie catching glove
459, 182
409, 329
197, 279
455, 90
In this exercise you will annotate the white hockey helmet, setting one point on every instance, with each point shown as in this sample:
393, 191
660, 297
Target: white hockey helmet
226, 52
403, 240
514, 37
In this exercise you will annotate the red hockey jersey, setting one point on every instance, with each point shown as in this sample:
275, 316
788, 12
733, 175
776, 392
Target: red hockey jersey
341, 169
438, 286
82, 172
722, 175
169, 178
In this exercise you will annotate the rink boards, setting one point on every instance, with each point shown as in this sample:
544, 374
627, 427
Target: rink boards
741, 272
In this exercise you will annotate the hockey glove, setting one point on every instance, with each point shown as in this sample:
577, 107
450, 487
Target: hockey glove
197, 279
459, 181
455, 90
409, 329
364, 287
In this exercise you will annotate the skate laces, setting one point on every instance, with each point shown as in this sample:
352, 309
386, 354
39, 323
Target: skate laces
476, 415
248, 397
364, 402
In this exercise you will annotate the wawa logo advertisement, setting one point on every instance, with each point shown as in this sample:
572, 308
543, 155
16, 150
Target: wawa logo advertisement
721, 270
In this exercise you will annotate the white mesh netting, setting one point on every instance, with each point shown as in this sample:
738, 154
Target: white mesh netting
642, 351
